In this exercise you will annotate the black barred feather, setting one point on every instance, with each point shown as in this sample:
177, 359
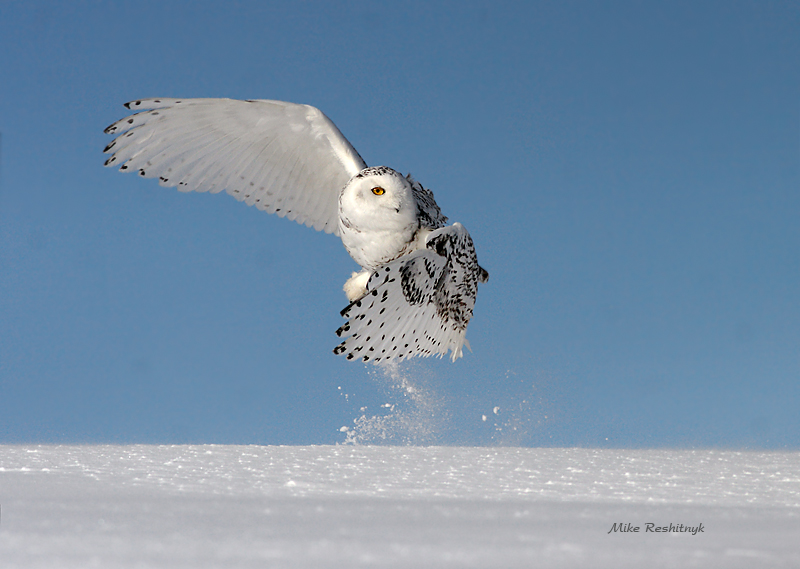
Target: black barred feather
417, 305
430, 215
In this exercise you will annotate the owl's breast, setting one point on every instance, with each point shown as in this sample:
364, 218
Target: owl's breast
372, 248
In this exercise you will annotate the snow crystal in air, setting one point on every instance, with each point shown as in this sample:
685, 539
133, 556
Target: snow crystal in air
412, 415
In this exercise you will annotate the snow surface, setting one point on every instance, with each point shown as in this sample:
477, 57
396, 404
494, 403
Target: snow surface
361, 506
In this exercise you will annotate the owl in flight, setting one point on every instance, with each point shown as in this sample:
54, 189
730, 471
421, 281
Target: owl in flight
419, 278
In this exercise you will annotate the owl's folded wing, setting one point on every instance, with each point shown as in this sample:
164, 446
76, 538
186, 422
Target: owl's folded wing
417, 305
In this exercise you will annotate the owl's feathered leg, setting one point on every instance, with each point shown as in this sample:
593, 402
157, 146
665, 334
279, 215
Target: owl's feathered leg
356, 285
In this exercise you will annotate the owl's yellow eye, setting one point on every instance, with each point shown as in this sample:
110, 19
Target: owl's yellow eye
378, 191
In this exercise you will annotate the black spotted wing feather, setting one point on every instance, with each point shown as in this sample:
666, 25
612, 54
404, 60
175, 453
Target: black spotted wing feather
417, 305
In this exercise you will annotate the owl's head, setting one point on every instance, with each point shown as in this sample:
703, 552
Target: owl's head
378, 198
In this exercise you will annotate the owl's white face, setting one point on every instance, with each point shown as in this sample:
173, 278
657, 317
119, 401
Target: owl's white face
378, 200
377, 216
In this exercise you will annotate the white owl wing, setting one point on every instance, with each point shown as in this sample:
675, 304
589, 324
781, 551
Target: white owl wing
283, 158
417, 305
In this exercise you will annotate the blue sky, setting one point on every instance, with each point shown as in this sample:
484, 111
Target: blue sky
628, 171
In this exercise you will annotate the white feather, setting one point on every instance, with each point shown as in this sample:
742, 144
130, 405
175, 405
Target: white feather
284, 158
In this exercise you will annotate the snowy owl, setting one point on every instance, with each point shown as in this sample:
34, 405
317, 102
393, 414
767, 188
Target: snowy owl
419, 278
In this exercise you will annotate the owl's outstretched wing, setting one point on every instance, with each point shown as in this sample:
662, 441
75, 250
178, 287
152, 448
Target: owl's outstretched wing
283, 158
417, 305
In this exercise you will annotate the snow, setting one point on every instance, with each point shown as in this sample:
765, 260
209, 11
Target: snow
363, 506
